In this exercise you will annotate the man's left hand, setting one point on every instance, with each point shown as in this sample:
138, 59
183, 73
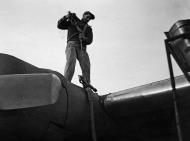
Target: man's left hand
82, 37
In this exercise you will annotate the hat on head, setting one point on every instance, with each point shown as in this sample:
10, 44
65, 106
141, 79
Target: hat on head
92, 15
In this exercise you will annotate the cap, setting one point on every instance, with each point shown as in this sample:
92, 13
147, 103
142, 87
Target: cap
92, 15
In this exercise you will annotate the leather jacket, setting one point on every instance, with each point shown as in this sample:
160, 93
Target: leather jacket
73, 33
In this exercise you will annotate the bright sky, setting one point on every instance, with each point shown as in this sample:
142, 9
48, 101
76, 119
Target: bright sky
128, 48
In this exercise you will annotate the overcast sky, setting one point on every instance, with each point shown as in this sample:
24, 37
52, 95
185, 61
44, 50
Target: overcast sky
128, 48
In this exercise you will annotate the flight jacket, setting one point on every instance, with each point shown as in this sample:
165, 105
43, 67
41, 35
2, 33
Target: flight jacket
73, 33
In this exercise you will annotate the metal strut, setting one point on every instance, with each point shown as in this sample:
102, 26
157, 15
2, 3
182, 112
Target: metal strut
88, 90
174, 92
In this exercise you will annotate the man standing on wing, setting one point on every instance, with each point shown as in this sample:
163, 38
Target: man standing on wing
78, 37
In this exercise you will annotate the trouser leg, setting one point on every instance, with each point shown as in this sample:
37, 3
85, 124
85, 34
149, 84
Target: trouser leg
85, 65
70, 62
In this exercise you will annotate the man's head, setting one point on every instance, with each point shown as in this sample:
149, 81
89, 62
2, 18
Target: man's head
87, 16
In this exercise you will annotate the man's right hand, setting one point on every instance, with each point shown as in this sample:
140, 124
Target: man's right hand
67, 16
